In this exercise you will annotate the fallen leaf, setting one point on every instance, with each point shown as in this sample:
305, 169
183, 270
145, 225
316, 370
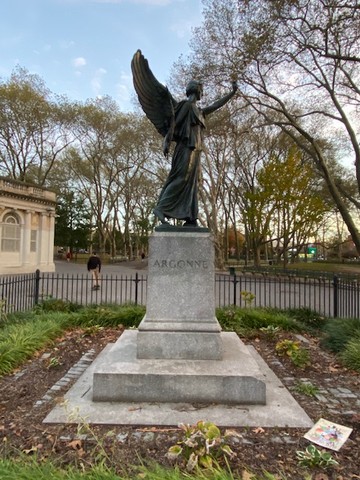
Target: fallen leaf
246, 475
232, 433
259, 430
76, 445
30, 451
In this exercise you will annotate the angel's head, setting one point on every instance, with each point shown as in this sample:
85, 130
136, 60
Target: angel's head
194, 87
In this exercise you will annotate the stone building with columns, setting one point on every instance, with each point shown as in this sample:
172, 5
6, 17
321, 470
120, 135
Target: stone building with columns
27, 224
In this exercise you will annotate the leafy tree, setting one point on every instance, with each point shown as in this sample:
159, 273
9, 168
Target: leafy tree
298, 68
73, 221
216, 160
110, 163
297, 207
34, 128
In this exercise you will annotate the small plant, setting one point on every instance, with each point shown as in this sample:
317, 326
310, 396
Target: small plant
312, 457
287, 347
299, 356
307, 388
270, 331
53, 362
92, 330
248, 298
202, 446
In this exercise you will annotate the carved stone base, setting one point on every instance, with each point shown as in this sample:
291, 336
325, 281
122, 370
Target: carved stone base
179, 321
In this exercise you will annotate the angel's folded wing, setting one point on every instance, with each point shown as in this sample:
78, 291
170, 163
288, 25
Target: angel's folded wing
155, 99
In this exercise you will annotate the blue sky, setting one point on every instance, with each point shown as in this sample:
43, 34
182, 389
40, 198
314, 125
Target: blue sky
83, 48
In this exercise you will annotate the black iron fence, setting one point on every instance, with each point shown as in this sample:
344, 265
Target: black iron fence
331, 296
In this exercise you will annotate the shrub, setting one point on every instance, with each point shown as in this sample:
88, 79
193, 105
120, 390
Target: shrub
51, 304
338, 332
350, 356
242, 320
307, 317
109, 316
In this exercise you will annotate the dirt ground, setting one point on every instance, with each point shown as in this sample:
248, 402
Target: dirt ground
272, 449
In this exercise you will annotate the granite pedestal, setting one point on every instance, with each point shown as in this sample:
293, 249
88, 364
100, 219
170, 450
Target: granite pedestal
180, 317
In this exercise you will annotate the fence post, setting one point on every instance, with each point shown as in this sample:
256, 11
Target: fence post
233, 273
136, 287
37, 287
336, 296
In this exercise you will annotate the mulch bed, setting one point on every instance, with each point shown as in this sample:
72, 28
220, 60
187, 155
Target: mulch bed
271, 449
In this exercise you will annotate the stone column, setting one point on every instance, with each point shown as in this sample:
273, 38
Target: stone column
25, 241
51, 241
42, 246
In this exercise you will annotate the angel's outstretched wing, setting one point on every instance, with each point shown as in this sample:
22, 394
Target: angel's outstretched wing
155, 99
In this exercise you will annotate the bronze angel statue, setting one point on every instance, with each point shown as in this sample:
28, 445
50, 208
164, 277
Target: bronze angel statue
183, 123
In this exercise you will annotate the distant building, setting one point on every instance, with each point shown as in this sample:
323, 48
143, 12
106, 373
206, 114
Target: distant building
27, 222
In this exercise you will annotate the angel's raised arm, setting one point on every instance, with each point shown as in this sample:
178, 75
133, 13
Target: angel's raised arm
221, 101
155, 99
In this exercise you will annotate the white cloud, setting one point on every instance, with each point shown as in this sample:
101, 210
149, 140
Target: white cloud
79, 62
96, 82
124, 89
183, 28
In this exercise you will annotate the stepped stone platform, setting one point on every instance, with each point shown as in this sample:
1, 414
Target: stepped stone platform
281, 409
236, 379
178, 366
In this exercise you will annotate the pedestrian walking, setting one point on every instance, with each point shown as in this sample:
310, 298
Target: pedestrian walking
94, 266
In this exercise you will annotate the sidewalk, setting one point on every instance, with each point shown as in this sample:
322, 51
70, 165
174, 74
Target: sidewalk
122, 268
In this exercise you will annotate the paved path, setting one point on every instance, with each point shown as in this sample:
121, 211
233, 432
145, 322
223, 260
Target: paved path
122, 268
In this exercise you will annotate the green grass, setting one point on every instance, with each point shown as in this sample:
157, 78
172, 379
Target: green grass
31, 469
21, 336
19, 341
25, 333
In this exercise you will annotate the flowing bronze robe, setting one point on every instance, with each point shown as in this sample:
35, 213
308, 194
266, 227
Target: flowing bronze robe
178, 197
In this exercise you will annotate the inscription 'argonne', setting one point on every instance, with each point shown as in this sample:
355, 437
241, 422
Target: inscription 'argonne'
181, 264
